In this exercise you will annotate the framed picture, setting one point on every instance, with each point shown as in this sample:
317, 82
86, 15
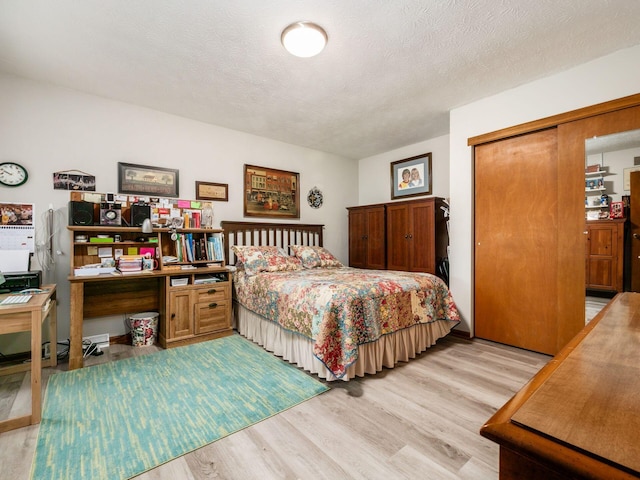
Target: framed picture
212, 191
271, 193
145, 180
411, 177
74, 180
616, 210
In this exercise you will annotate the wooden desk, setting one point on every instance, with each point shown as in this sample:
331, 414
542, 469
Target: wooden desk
579, 417
23, 318
186, 314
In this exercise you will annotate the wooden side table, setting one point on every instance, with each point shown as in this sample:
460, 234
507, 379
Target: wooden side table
27, 317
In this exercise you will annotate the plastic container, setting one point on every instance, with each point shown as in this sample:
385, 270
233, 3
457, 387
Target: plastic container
144, 328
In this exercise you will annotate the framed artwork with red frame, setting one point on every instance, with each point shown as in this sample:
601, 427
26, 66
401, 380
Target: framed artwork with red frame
616, 210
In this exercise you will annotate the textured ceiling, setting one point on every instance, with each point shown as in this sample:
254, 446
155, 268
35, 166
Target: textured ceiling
391, 71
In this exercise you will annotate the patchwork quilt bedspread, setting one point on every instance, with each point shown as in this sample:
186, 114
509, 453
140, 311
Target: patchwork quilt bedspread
341, 308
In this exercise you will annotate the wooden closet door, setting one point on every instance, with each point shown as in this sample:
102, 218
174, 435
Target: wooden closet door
634, 225
516, 241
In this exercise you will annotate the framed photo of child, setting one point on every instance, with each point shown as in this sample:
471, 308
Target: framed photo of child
411, 176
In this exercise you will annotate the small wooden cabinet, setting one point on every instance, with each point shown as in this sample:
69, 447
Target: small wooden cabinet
416, 235
367, 246
198, 307
604, 262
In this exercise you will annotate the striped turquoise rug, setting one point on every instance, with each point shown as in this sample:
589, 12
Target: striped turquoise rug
119, 419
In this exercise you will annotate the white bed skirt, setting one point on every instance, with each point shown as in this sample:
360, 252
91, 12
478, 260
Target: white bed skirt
372, 357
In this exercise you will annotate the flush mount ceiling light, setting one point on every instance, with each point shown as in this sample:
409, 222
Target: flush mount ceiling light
304, 39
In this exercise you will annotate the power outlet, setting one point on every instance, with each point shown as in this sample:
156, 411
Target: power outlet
101, 340
47, 351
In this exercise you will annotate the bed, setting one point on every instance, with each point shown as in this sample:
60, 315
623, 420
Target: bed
296, 300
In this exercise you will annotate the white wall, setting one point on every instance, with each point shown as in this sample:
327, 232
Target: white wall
49, 129
614, 76
374, 181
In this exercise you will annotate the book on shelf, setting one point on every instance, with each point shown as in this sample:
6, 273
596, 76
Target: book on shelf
215, 247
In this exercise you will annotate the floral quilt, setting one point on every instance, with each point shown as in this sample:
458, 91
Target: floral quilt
341, 308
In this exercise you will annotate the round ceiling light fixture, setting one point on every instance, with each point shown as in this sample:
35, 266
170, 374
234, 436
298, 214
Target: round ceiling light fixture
304, 39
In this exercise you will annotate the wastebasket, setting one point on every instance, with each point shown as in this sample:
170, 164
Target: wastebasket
144, 328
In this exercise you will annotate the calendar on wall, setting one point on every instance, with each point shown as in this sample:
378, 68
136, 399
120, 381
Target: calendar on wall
17, 227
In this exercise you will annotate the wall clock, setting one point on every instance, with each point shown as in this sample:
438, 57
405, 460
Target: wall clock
12, 174
314, 198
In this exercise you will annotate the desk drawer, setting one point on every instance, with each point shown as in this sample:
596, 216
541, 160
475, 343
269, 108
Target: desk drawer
212, 316
213, 293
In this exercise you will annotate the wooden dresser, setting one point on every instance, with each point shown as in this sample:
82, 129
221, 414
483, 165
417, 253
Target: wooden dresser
579, 417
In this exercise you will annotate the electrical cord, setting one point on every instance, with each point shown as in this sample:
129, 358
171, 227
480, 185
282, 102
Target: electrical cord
90, 348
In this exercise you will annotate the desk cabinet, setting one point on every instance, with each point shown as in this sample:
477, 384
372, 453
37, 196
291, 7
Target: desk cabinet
196, 311
604, 255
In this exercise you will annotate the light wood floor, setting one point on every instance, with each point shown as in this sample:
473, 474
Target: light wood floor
417, 421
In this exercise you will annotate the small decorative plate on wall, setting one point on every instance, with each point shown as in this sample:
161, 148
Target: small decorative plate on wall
314, 198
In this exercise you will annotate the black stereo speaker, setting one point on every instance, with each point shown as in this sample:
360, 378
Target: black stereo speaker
139, 213
80, 213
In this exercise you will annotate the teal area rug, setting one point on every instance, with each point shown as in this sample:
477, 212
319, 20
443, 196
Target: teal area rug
119, 419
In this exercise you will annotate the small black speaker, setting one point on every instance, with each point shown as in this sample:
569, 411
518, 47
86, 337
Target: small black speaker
139, 212
80, 213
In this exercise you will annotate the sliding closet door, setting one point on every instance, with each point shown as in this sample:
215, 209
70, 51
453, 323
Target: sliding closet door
516, 241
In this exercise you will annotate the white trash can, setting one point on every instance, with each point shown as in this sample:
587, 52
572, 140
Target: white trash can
144, 328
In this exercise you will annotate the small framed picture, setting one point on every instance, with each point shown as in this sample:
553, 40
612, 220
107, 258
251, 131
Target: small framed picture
212, 191
411, 176
616, 210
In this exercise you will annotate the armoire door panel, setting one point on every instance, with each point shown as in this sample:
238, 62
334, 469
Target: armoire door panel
358, 239
398, 229
421, 241
516, 191
376, 244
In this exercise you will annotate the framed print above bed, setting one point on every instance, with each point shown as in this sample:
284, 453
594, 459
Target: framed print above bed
411, 177
271, 193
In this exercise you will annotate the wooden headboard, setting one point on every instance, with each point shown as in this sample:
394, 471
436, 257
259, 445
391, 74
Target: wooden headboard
269, 234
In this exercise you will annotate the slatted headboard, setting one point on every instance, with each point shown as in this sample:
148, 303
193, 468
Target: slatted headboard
269, 234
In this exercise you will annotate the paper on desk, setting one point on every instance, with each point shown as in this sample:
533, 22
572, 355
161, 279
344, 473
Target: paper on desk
14, 261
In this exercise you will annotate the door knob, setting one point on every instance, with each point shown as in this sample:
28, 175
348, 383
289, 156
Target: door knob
635, 235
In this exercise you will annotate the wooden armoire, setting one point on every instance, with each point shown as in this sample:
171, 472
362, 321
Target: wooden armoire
529, 225
406, 235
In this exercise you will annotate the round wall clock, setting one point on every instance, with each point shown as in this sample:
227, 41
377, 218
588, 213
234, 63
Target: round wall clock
314, 198
12, 174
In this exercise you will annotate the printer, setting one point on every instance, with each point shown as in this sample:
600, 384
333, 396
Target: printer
17, 281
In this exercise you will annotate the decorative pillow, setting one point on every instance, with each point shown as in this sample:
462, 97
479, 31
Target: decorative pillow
257, 259
315, 257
